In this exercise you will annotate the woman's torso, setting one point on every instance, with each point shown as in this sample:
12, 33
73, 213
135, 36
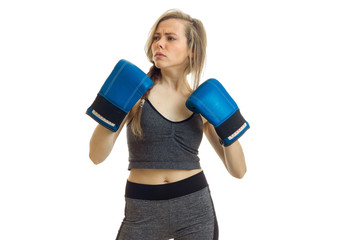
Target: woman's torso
170, 105
160, 176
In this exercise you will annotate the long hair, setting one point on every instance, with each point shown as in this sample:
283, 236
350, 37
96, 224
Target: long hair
196, 41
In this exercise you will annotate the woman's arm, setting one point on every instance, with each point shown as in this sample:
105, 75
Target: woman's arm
102, 142
232, 156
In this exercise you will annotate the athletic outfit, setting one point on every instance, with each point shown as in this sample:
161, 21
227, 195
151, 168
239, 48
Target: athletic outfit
166, 144
182, 210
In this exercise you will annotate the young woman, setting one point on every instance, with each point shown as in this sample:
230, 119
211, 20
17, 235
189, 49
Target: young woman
167, 195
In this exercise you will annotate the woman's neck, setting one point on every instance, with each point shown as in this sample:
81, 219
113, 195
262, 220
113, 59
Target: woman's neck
173, 79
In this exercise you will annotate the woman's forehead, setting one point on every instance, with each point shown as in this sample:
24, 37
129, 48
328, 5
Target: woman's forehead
171, 26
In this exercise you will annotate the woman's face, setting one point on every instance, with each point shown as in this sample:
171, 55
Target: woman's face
169, 47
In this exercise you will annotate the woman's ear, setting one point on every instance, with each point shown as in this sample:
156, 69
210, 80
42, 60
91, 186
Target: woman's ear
192, 54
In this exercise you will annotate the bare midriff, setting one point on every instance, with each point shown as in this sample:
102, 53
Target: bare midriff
160, 176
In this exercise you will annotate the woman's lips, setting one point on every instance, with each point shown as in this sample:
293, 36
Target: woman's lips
159, 55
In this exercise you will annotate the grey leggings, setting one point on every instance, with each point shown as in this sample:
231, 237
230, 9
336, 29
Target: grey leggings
182, 210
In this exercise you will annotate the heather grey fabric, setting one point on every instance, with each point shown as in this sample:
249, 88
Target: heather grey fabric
165, 144
188, 217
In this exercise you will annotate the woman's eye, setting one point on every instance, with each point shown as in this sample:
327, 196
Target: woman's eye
157, 38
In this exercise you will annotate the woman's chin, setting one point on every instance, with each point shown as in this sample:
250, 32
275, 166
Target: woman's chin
158, 64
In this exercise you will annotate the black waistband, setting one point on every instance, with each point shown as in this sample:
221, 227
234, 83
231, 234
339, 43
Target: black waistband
166, 191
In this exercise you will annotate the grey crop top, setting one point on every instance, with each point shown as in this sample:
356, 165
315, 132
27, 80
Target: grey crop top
165, 144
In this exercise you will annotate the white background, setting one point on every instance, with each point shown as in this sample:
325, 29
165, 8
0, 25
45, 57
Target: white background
292, 67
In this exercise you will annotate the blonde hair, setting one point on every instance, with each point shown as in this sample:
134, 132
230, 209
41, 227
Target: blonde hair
196, 41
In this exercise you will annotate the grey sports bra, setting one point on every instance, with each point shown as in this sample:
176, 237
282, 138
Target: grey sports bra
165, 144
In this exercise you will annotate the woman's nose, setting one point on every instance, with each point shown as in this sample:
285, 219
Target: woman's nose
160, 43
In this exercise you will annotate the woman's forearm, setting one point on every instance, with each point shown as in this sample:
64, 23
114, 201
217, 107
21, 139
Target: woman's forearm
234, 160
101, 144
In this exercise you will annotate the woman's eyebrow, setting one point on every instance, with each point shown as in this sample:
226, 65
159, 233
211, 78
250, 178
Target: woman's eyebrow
167, 34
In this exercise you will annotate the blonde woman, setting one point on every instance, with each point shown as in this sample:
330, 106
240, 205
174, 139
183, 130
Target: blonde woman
167, 195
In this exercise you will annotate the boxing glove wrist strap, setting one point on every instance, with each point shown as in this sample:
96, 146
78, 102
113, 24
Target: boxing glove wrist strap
233, 128
103, 111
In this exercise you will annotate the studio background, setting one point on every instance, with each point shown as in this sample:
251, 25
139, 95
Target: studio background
292, 67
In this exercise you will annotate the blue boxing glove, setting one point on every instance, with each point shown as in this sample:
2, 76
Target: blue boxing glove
212, 101
120, 92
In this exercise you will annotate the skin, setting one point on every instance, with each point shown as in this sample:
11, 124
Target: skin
168, 96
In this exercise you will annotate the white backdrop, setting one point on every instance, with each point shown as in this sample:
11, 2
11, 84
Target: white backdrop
292, 67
